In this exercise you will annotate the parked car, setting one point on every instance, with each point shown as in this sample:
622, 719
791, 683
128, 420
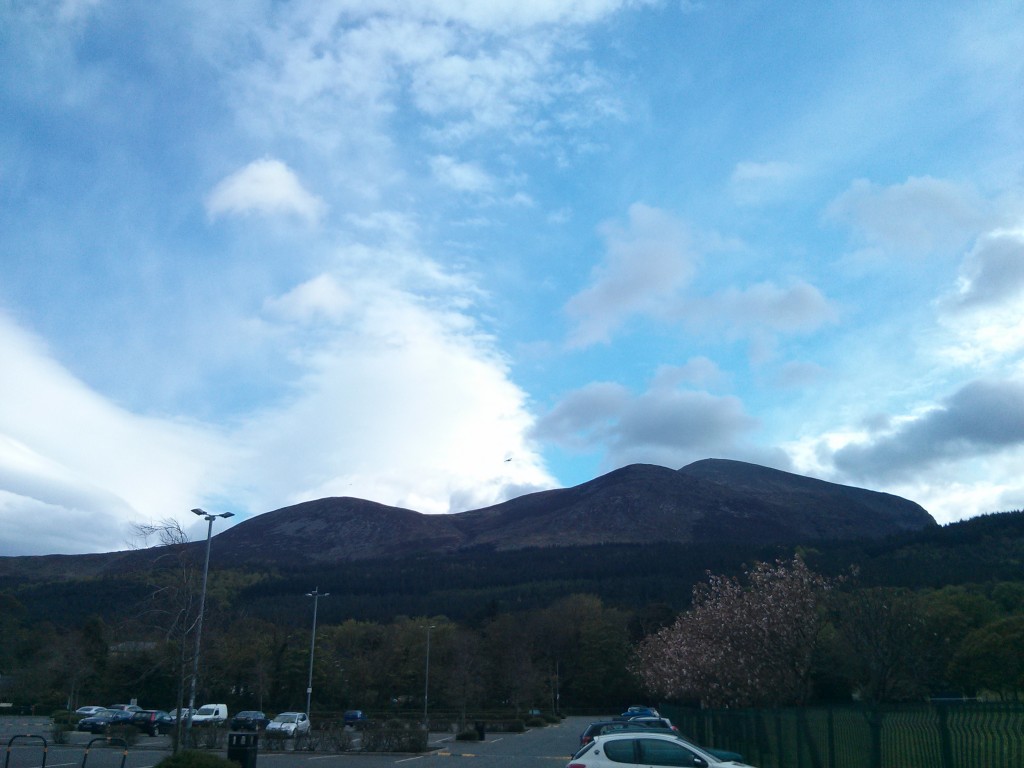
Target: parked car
287, 725
602, 727
638, 710
185, 712
249, 720
653, 722
648, 725
648, 749
354, 717
102, 720
126, 707
90, 710
210, 714
153, 721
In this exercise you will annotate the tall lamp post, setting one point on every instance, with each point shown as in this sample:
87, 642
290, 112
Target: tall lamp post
199, 623
316, 595
426, 682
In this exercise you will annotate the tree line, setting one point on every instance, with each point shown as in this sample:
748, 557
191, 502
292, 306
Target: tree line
783, 630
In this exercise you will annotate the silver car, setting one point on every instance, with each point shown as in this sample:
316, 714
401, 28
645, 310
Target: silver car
288, 725
649, 749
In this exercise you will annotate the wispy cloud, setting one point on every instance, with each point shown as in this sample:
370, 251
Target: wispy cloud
918, 216
646, 264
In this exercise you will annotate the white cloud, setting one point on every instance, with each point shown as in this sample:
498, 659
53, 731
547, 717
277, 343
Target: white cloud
919, 216
267, 187
406, 404
321, 298
797, 308
398, 397
646, 265
993, 272
982, 417
462, 177
665, 425
67, 451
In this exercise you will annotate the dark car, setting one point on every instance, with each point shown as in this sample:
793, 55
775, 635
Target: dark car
153, 721
249, 720
653, 722
125, 712
354, 717
638, 710
101, 721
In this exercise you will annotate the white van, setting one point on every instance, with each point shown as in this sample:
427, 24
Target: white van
211, 714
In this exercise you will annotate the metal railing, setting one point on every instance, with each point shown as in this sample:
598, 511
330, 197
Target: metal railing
927, 735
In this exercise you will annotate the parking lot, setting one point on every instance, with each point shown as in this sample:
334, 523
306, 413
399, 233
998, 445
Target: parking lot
548, 747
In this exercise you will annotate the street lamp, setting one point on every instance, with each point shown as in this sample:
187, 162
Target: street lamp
426, 682
199, 623
316, 595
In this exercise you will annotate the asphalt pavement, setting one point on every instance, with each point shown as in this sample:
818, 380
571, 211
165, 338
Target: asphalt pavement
549, 747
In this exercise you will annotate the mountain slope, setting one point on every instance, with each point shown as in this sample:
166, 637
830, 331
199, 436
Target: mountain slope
642, 503
707, 502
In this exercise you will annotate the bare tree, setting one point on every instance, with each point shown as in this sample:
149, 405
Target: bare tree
173, 605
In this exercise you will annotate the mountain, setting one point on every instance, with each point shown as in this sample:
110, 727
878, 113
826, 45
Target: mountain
708, 501
705, 503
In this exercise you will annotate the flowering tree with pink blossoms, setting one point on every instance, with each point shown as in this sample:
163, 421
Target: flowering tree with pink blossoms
746, 641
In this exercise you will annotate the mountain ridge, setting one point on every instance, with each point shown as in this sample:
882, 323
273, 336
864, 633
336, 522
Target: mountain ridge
704, 502
701, 502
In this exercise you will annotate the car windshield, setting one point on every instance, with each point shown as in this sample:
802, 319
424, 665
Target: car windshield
288, 717
206, 710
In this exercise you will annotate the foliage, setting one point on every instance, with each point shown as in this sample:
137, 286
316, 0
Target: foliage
992, 658
522, 630
395, 736
883, 636
744, 642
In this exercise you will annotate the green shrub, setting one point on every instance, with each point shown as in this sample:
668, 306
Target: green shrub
395, 736
60, 730
535, 721
191, 758
468, 735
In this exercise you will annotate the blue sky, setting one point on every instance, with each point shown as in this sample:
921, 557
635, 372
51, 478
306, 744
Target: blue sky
442, 253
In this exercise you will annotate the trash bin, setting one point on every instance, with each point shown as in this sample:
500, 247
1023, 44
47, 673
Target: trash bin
480, 730
242, 748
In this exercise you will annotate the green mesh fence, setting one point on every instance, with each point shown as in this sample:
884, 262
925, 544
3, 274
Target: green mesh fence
935, 735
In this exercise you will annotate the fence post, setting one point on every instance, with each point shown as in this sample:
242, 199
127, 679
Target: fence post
831, 739
874, 716
945, 743
780, 750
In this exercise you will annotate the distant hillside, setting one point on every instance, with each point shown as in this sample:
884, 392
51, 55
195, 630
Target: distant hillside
708, 502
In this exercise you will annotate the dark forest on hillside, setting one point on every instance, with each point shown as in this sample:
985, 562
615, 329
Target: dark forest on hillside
520, 623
